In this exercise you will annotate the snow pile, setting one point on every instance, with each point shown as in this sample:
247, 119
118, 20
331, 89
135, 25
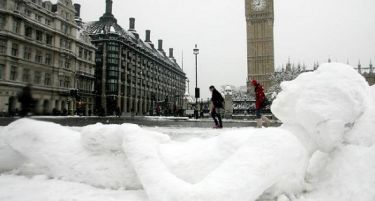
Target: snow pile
41, 188
332, 110
324, 104
56, 151
92, 156
346, 175
272, 159
328, 138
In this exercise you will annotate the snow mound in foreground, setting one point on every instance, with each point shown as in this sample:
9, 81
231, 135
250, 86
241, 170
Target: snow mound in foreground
328, 110
56, 151
332, 110
41, 188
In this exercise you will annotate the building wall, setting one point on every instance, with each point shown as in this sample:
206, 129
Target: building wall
260, 41
39, 44
132, 76
135, 82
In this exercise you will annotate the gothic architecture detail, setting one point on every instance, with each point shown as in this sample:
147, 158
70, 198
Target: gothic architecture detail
260, 40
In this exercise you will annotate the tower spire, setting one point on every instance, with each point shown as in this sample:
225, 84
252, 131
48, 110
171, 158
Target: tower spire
359, 67
371, 67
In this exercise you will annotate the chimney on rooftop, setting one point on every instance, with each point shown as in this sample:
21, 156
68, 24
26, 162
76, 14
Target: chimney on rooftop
160, 45
108, 8
77, 8
148, 36
171, 53
131, 24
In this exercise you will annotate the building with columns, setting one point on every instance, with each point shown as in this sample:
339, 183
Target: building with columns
260, 40
42, 44
133, 75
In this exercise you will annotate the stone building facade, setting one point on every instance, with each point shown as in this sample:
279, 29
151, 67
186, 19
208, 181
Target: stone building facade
260, 40
133, 76
42, 44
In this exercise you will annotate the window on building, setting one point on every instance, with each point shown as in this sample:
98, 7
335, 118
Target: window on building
28, 12
112, 86
67, 63
2, 21
15, 49
38, 17
3, 3
28, 31
3, 46
62, 43
90, 55
47, 22
18, 6
26, 75
69, 45
48, 60
49, 39
16, 26
13, 73
80, 52
39, 35
2, 70
38, 56
67, 82
47, 79
64, 28
86, 54
37, 77
27, 53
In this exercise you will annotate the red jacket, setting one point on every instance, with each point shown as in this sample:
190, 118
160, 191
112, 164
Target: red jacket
259, 96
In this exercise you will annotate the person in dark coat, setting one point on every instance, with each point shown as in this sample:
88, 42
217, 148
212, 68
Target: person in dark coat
118, 111
260, 99
27, 101
217, 105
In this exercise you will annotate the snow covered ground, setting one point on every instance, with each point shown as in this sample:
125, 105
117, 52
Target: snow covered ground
324, 151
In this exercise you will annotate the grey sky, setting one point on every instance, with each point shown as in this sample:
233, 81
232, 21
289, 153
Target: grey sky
305, 30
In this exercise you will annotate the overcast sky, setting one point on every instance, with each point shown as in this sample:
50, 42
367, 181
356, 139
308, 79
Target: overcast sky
305, 30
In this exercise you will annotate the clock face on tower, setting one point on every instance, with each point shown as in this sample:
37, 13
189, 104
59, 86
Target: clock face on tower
258, 5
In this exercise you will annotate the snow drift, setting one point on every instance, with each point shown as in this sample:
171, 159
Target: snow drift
327, 139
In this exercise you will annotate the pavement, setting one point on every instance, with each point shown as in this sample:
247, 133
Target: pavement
142, 121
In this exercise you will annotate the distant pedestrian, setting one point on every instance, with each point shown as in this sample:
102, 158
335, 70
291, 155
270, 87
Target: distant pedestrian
260, 103
118, 111
217, 105
27, 101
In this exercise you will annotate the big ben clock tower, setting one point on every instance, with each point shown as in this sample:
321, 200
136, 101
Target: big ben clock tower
260, 40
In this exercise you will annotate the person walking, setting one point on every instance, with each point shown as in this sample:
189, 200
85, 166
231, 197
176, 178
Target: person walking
217, 104
260, 103
27, 101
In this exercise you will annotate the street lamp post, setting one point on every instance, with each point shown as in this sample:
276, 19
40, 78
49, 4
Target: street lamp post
197, 92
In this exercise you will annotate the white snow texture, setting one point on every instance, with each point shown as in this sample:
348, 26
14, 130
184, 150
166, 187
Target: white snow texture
323, 152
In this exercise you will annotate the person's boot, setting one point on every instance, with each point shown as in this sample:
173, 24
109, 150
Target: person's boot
259, 123
268, 121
